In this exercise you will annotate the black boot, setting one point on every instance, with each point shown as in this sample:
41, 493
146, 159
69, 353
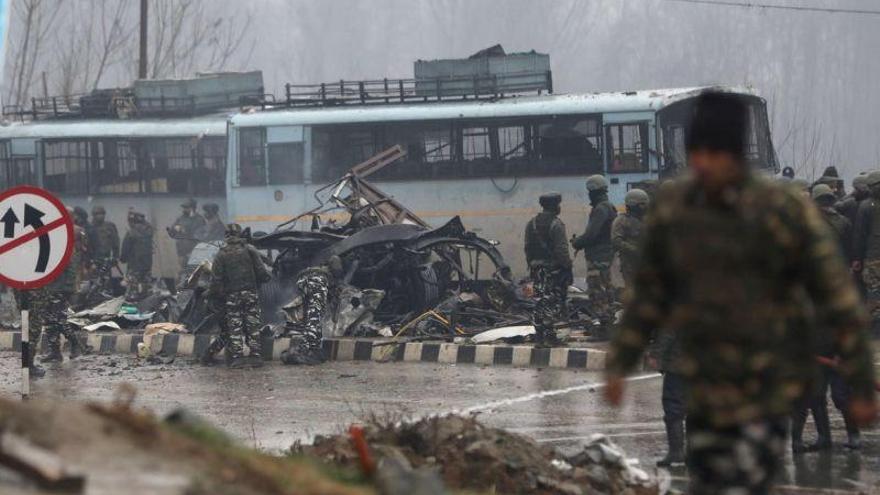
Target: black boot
675, 440
239, 362
78, 347
307, 356
37, 371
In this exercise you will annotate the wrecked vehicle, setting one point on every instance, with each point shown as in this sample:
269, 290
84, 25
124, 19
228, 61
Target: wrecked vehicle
386, 247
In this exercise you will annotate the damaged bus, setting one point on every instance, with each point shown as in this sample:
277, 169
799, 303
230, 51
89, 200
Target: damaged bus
484, 159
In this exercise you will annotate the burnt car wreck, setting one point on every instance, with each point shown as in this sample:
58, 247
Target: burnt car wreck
384, 247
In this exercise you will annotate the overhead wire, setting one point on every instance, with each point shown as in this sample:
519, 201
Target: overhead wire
770, 6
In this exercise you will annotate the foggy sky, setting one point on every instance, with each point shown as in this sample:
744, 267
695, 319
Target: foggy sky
819, 71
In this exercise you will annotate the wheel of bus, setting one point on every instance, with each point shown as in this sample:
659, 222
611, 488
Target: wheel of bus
426, 288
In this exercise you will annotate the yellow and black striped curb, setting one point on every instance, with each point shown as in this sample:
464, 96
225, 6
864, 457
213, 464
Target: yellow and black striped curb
357, 350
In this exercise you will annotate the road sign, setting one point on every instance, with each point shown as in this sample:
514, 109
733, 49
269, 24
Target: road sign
36, 237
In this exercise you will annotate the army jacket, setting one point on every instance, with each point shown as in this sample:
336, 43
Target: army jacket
546, 242
729, 275
626, 232
596, 239
106, 241
137, 247
866, 235
189, 225
237, 267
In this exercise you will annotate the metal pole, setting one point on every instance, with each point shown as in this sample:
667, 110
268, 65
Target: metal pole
142, 60
25, 351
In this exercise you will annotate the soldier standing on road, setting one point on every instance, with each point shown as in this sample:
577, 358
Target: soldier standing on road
213, 228
866, 247
815, 400
184, 231
105, 249
318, 287
137, 254
550, 267
238, 272
596, 244
626, 233
728, 258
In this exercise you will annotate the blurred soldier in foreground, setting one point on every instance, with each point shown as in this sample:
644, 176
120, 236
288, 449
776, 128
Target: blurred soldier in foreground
213, 228
237, 273
866, 247
626, 232
849, 205
137, 254
596, 243
105, 248
184, 231
318, 287
729, 258
550, 267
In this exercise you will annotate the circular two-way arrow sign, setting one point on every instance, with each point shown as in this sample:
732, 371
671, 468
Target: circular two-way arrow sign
36, 237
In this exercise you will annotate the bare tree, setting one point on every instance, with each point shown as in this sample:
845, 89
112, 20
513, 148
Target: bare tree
33, 20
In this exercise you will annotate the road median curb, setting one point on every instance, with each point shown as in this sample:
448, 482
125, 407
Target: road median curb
357, 350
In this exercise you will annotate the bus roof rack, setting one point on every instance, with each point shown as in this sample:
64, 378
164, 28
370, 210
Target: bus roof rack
414, 90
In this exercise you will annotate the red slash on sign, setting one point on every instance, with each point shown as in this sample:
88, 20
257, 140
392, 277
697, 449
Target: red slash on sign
23, 211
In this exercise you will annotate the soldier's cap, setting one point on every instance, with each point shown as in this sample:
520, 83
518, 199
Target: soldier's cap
212, 207
822, 190
860, 181
873, 178
134, 213
190, 203
98, 210
596, 182
80, 212
830, 173
550, 199
233, 230
636, 197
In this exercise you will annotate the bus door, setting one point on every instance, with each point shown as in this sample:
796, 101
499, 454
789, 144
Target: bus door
630, 156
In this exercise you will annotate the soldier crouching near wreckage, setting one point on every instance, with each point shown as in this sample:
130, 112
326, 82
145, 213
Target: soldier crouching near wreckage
550, 267
237, 272
729, 259
318, 287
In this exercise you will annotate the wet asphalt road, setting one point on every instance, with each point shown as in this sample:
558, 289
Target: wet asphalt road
272, 407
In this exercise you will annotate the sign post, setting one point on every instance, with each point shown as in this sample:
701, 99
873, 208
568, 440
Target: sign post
36, 244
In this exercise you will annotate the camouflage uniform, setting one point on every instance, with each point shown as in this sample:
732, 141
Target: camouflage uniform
186, 227
728, 274
49, 312
137, 253
596, 243
866, 246
315, 285
105, 249
550, 266
237, 273
626, 231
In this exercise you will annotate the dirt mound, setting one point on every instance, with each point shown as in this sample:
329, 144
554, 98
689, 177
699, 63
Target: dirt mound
471, 456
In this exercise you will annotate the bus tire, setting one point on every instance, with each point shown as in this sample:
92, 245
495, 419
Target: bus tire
426, 287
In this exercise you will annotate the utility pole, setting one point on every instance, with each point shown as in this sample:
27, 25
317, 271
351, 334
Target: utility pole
142, 61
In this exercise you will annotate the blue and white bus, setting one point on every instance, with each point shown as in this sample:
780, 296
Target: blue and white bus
485, 160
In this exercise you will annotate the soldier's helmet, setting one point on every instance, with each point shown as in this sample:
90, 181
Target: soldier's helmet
636, 197
98, 210
233, 230
550, 200
136, 215
596, 182
190, 203
210, 208
860, 182
873, 179
822, 191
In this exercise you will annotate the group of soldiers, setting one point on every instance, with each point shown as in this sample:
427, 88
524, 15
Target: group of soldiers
97, 251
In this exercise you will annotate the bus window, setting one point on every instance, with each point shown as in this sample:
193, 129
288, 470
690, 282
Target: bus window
626, 148
286, 161
171, 164
570, 146
66, 166
212, 166
252, 158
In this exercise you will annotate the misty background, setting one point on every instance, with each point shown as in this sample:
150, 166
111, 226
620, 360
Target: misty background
818, 70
